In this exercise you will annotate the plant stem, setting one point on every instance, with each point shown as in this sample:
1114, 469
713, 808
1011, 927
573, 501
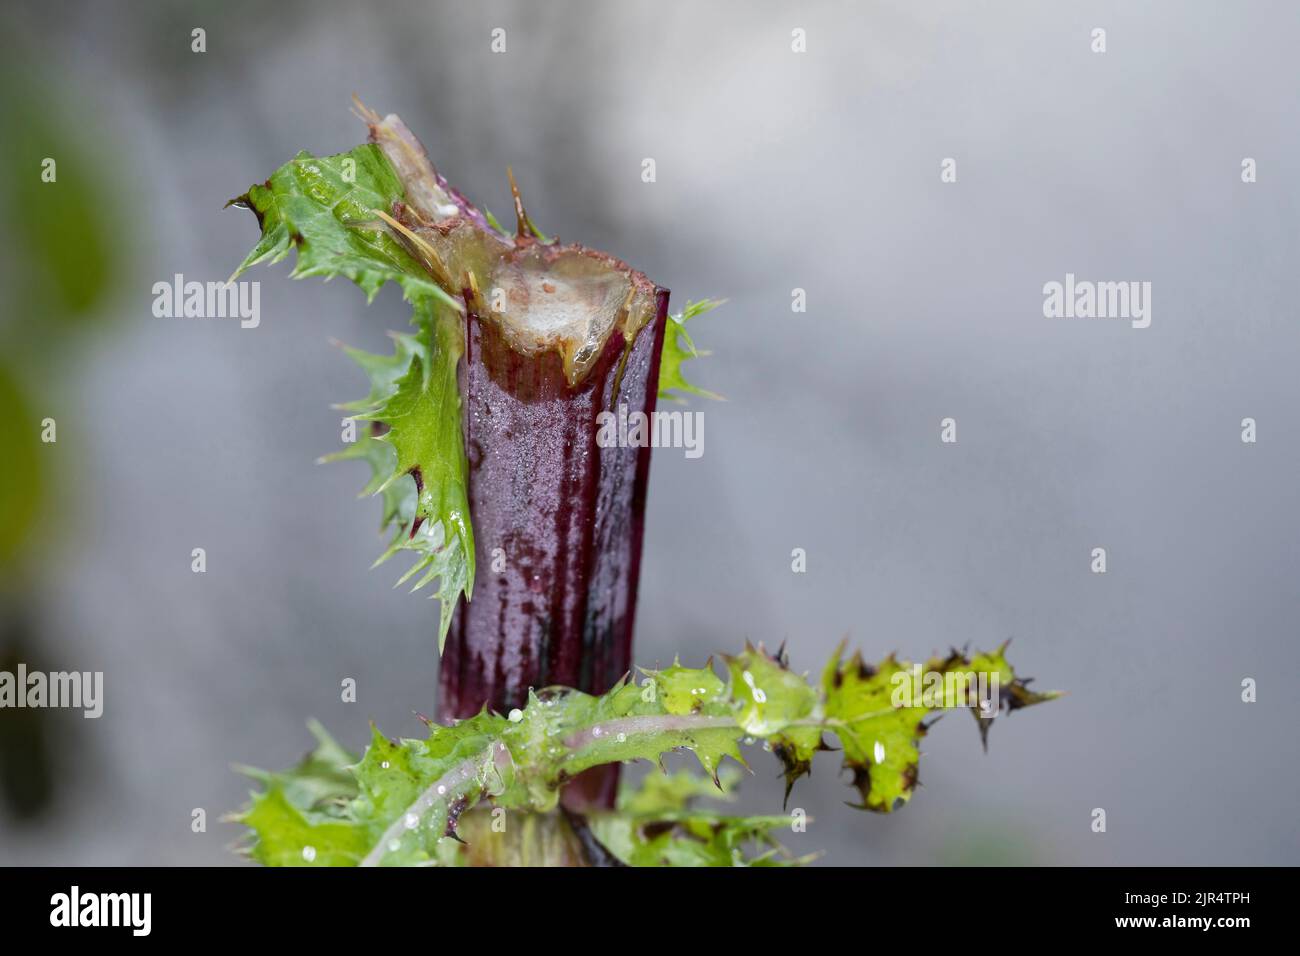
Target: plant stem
554, 335
564, 516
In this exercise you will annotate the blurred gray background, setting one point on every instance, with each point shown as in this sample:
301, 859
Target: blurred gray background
775, 170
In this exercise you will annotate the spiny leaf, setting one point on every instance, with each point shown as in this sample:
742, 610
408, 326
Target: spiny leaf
422, 416
657, 824
659, 794
694, 839
321, 778
409, 793
878, 711
288, 835
678, 348
327, 209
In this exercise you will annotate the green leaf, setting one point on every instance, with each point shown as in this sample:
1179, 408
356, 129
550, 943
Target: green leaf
400, 806
659, 794
426, 491
878, 712
288, 835
327, 208
656, 824
694, 839
298, 817
683, 690
678, 348
771, 698
879, 740
323, 777
410, 793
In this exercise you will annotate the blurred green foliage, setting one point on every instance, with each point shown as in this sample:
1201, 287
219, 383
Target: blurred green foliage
21, 480
59, 271
62, 267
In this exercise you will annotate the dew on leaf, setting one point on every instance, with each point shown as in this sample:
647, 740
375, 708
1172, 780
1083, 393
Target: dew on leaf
309, 854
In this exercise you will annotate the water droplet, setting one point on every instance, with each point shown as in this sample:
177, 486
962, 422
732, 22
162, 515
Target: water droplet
879, 752
749, 741
309, 854
622, 738
516, 715
596, 731
384, 765
412, 821
394, 846
441, 790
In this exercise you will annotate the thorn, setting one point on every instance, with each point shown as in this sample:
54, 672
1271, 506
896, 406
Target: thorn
471, 283
522, 228
363, 112
423, 249
841, 648
419, 490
